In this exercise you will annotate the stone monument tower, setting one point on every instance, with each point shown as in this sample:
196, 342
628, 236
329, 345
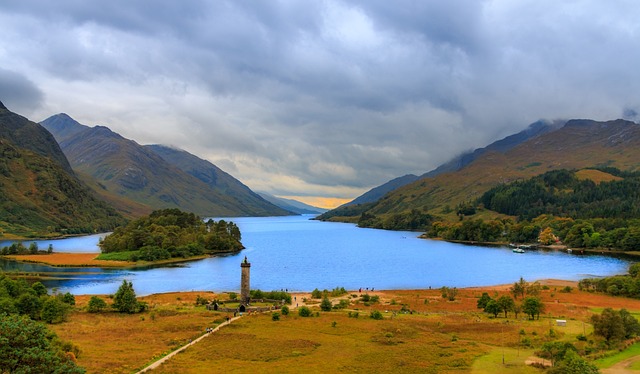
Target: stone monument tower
245, 285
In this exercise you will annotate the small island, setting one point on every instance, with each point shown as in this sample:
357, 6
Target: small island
163, 237
167, 234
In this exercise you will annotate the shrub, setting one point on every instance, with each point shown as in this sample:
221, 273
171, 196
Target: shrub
376, 314
54, 310
285, 310
449, 293
201, 300
303, 311
68, 298
338, 291
275, 316
567, 289
326, 305
316, 294
96, 305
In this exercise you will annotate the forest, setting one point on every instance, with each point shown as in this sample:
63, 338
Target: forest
171, 233
556, 207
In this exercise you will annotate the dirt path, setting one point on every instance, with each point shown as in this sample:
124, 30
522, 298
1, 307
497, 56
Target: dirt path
622, 367
297, 301
165, 358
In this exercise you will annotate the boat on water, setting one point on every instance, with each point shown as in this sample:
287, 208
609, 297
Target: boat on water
518, 250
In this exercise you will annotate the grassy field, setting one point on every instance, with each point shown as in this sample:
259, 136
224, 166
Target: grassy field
438, 336
630, 352
95, 259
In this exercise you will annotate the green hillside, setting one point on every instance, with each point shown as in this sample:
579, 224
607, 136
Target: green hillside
577, 145
39, 198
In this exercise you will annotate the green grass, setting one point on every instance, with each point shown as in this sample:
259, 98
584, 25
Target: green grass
117, 256
607, 362
513, 362
635, 313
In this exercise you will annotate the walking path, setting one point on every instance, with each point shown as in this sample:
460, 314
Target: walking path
622, 367
165, 358
299, 302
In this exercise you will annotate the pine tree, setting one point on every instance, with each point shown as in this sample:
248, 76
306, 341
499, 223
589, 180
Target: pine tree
124, 301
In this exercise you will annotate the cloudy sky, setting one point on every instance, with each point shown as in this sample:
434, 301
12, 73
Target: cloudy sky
320, 99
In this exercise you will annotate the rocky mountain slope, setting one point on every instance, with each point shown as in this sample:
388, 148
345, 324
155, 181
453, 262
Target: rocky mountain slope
130, 171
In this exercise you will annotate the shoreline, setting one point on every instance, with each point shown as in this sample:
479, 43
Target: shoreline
66, 259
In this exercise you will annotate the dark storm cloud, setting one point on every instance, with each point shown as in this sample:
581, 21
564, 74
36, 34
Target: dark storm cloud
18, 93
325, 98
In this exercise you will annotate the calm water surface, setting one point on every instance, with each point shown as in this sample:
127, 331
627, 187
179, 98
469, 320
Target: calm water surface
298, 254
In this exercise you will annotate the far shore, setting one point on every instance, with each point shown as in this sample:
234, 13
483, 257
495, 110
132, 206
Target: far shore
62, 259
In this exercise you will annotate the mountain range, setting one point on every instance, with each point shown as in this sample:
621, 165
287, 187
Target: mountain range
292, 205
155, 177
535, 129
577, 144
39, 193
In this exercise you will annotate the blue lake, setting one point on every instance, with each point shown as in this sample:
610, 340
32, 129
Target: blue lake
299, 254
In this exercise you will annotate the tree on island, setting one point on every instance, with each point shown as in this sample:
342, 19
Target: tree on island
170, 233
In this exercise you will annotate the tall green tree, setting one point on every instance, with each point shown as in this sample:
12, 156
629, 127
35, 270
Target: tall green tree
507, 304
493, 307
125, 301
532, 306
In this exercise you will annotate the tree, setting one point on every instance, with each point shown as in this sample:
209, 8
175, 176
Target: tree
326, 305
634, 270
556, 350
572, 363
68, 298
493, 307
54, 310
39, 288
124, 301
630, 323
547, 237
25, 347
609, 325
506, 303
30, 305
96, 305
533, 289
483, 300
532, 306
519, 288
